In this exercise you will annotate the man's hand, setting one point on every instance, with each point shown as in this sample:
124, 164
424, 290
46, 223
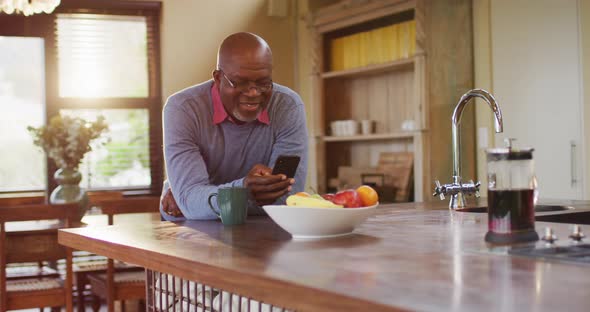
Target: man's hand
169, 205
265, 187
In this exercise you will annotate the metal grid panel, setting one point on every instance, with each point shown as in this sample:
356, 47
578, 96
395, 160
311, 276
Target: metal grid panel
166, 292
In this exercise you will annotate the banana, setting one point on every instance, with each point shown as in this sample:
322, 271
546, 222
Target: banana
303, 201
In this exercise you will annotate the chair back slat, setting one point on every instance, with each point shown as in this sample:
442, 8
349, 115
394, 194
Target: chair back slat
95, 198
131, 205
46, 248
22, 200
38, 212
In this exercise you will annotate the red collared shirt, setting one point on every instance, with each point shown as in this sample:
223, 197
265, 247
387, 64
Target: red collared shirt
219, 113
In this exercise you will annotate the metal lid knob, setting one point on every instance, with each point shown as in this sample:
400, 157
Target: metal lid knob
549, 237
508, 142
577, 234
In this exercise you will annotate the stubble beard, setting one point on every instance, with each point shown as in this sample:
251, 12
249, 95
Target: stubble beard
242, 118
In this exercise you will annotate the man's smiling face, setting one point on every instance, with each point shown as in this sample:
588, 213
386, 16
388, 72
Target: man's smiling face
244, 76
245, 89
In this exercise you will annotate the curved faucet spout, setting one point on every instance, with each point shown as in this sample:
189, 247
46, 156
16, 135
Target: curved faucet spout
458, 189
456, 119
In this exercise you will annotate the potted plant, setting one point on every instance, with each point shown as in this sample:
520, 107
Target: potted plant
66, 140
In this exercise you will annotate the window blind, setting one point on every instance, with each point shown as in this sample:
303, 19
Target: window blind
102, 55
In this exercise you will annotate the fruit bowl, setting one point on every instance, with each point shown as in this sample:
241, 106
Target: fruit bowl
314, 223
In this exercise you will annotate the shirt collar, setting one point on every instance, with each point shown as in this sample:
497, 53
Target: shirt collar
219, 113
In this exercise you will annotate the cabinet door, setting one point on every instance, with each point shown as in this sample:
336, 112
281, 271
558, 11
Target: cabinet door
537, 81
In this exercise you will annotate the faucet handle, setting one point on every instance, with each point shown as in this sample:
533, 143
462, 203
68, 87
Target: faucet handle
476, 185
438, 190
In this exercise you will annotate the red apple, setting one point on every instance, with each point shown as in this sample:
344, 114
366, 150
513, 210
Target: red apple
348, 198
328, 196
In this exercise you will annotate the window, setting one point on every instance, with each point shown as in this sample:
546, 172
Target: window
106, 61
22, 101
101, 58
105, 56
124, 161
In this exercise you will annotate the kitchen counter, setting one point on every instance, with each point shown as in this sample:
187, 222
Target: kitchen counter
416, 256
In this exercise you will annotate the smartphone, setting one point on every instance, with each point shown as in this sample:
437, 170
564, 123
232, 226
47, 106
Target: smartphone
287, 165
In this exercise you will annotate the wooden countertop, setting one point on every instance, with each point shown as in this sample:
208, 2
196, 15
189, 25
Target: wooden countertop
406, 257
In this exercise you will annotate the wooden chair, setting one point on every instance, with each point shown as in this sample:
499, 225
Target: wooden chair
31, 242
29, 269
85, 264
122, 284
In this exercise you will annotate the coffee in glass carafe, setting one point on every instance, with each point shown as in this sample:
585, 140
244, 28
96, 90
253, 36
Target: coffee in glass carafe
511, 196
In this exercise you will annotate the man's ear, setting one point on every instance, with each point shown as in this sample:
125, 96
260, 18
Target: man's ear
216, 76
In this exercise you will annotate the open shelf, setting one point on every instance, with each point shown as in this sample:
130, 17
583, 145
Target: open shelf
407, 63
370, 137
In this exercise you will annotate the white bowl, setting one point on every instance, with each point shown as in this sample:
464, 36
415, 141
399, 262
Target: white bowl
313, 223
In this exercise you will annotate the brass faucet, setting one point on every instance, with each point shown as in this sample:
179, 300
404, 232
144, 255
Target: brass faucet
458, 189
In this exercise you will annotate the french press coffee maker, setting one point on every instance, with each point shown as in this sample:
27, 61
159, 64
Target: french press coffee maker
512, 193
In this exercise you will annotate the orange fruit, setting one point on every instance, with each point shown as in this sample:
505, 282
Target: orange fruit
368, 195
303, 194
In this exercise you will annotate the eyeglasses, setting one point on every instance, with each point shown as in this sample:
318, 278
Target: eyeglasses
245, 86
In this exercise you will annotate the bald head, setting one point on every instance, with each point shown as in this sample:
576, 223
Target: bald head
243, 49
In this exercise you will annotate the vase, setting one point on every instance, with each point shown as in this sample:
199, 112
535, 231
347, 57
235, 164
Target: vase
69, 190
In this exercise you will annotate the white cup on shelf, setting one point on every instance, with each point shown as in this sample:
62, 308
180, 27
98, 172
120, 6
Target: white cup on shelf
344, 127
352, 127
334, 128
409, 125
366, 126
338, 127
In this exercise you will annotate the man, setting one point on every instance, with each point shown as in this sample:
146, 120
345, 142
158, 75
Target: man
229, 131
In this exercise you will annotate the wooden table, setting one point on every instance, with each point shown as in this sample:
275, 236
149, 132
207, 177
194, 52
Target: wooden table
406, 257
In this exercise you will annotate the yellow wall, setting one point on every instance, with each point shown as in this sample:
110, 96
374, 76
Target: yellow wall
482, 53
192, 30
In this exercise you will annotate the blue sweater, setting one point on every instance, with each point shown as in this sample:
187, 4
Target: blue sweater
202, 156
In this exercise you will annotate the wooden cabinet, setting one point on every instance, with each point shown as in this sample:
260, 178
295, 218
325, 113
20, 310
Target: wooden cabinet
391, 92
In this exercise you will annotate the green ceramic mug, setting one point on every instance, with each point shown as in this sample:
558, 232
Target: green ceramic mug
232, 203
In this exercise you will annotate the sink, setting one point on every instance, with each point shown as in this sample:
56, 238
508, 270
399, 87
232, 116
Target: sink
548, 208
575, 217
538, 208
